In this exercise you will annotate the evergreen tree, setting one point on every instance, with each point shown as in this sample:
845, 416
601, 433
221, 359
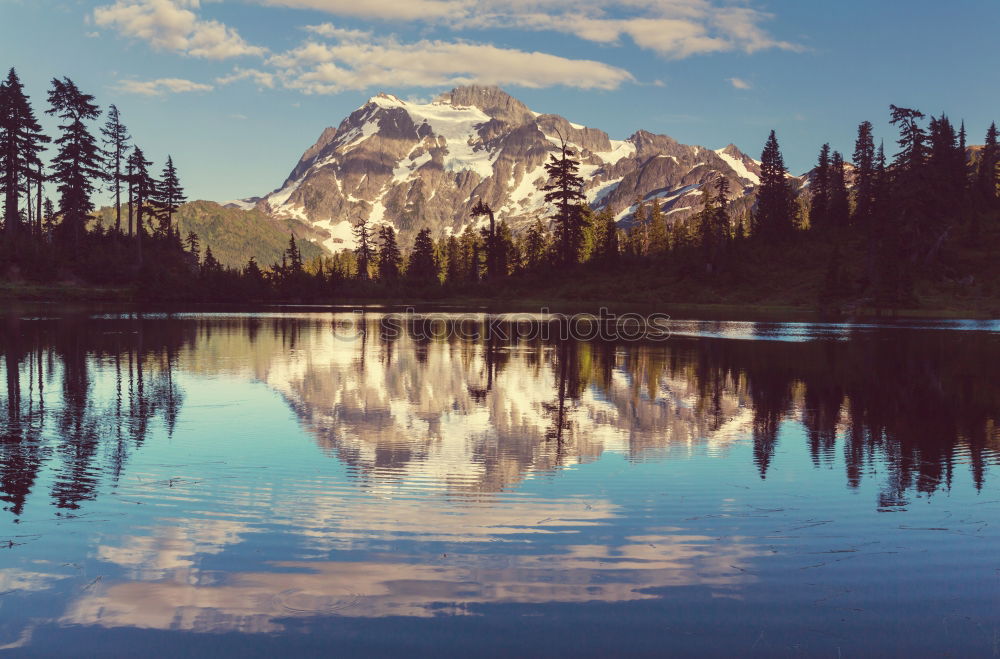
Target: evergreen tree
565, 189
912, 139
535, 245
210, 266
839, 209
469, 243
503, 249
193, 245
819, 190
988, 175
422, 267
78, 163
254, 277
142, 188
390, 261
608, 237
50, 218
490, 240
706, 223
21, 141
169, 196
775, 214
293, 258
453, 258
363, 247
721, 219
864, 174
639, 231
116, 140
659, 241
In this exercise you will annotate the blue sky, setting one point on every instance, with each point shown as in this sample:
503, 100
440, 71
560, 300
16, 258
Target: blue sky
236, 90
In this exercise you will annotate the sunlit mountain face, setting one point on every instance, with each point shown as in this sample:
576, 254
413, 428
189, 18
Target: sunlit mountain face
249, 482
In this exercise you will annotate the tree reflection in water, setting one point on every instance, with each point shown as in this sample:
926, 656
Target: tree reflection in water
81, 394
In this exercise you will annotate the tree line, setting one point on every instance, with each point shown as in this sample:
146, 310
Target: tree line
905, 213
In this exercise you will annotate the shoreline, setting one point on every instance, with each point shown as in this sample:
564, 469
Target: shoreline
30, 295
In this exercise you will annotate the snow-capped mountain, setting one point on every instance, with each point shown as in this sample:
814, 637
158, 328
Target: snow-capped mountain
426, 165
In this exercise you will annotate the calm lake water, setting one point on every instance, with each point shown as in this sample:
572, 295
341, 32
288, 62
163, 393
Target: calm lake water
342, 483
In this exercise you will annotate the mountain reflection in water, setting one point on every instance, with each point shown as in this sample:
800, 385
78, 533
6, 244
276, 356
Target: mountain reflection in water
266, 473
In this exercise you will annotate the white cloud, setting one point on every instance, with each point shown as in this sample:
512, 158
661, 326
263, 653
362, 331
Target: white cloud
261, 78
672, 28
401, 10
171, 25
331, 31
161, 86
739, 83
316, 68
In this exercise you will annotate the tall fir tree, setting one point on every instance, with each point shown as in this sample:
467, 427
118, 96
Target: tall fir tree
706, 224
490, 239
50, 218
142, 188
422, 267
988, 175
659, 241
721, 217
116, 139
608, 238
363, 247
839, 209
453, 261
293, 257
78, 164
565, 189
819, 191
639, 231
775, 215
390, 261
864, 174
168, 197
21, 142
535, 245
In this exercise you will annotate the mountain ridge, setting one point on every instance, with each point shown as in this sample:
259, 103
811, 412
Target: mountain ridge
415, 165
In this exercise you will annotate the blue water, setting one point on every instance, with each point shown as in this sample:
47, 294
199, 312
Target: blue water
308, 483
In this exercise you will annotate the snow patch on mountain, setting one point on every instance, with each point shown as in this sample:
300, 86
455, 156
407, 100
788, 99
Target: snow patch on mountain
619, 149
739, 167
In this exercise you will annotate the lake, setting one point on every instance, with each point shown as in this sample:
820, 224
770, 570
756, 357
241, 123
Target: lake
304, 482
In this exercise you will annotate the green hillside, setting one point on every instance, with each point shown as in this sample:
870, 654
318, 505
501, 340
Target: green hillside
234, 234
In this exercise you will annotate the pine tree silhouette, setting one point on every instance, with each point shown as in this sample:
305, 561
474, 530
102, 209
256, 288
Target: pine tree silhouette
775, 207
565, 189
819, 191
116, 140
864, 174
21, 142
79, 162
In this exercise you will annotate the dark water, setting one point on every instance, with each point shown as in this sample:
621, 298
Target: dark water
287, 484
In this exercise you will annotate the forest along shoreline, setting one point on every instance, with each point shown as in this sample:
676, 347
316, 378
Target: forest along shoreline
914, 233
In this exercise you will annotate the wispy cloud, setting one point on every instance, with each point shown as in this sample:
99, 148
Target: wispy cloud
334, 58
328, 68
161, 86
672, 28
172, 25
260, 78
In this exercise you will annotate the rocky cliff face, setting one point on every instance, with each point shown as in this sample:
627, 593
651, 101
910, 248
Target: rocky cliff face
415, 166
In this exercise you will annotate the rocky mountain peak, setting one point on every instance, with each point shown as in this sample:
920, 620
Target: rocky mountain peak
415, 165
493, 101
